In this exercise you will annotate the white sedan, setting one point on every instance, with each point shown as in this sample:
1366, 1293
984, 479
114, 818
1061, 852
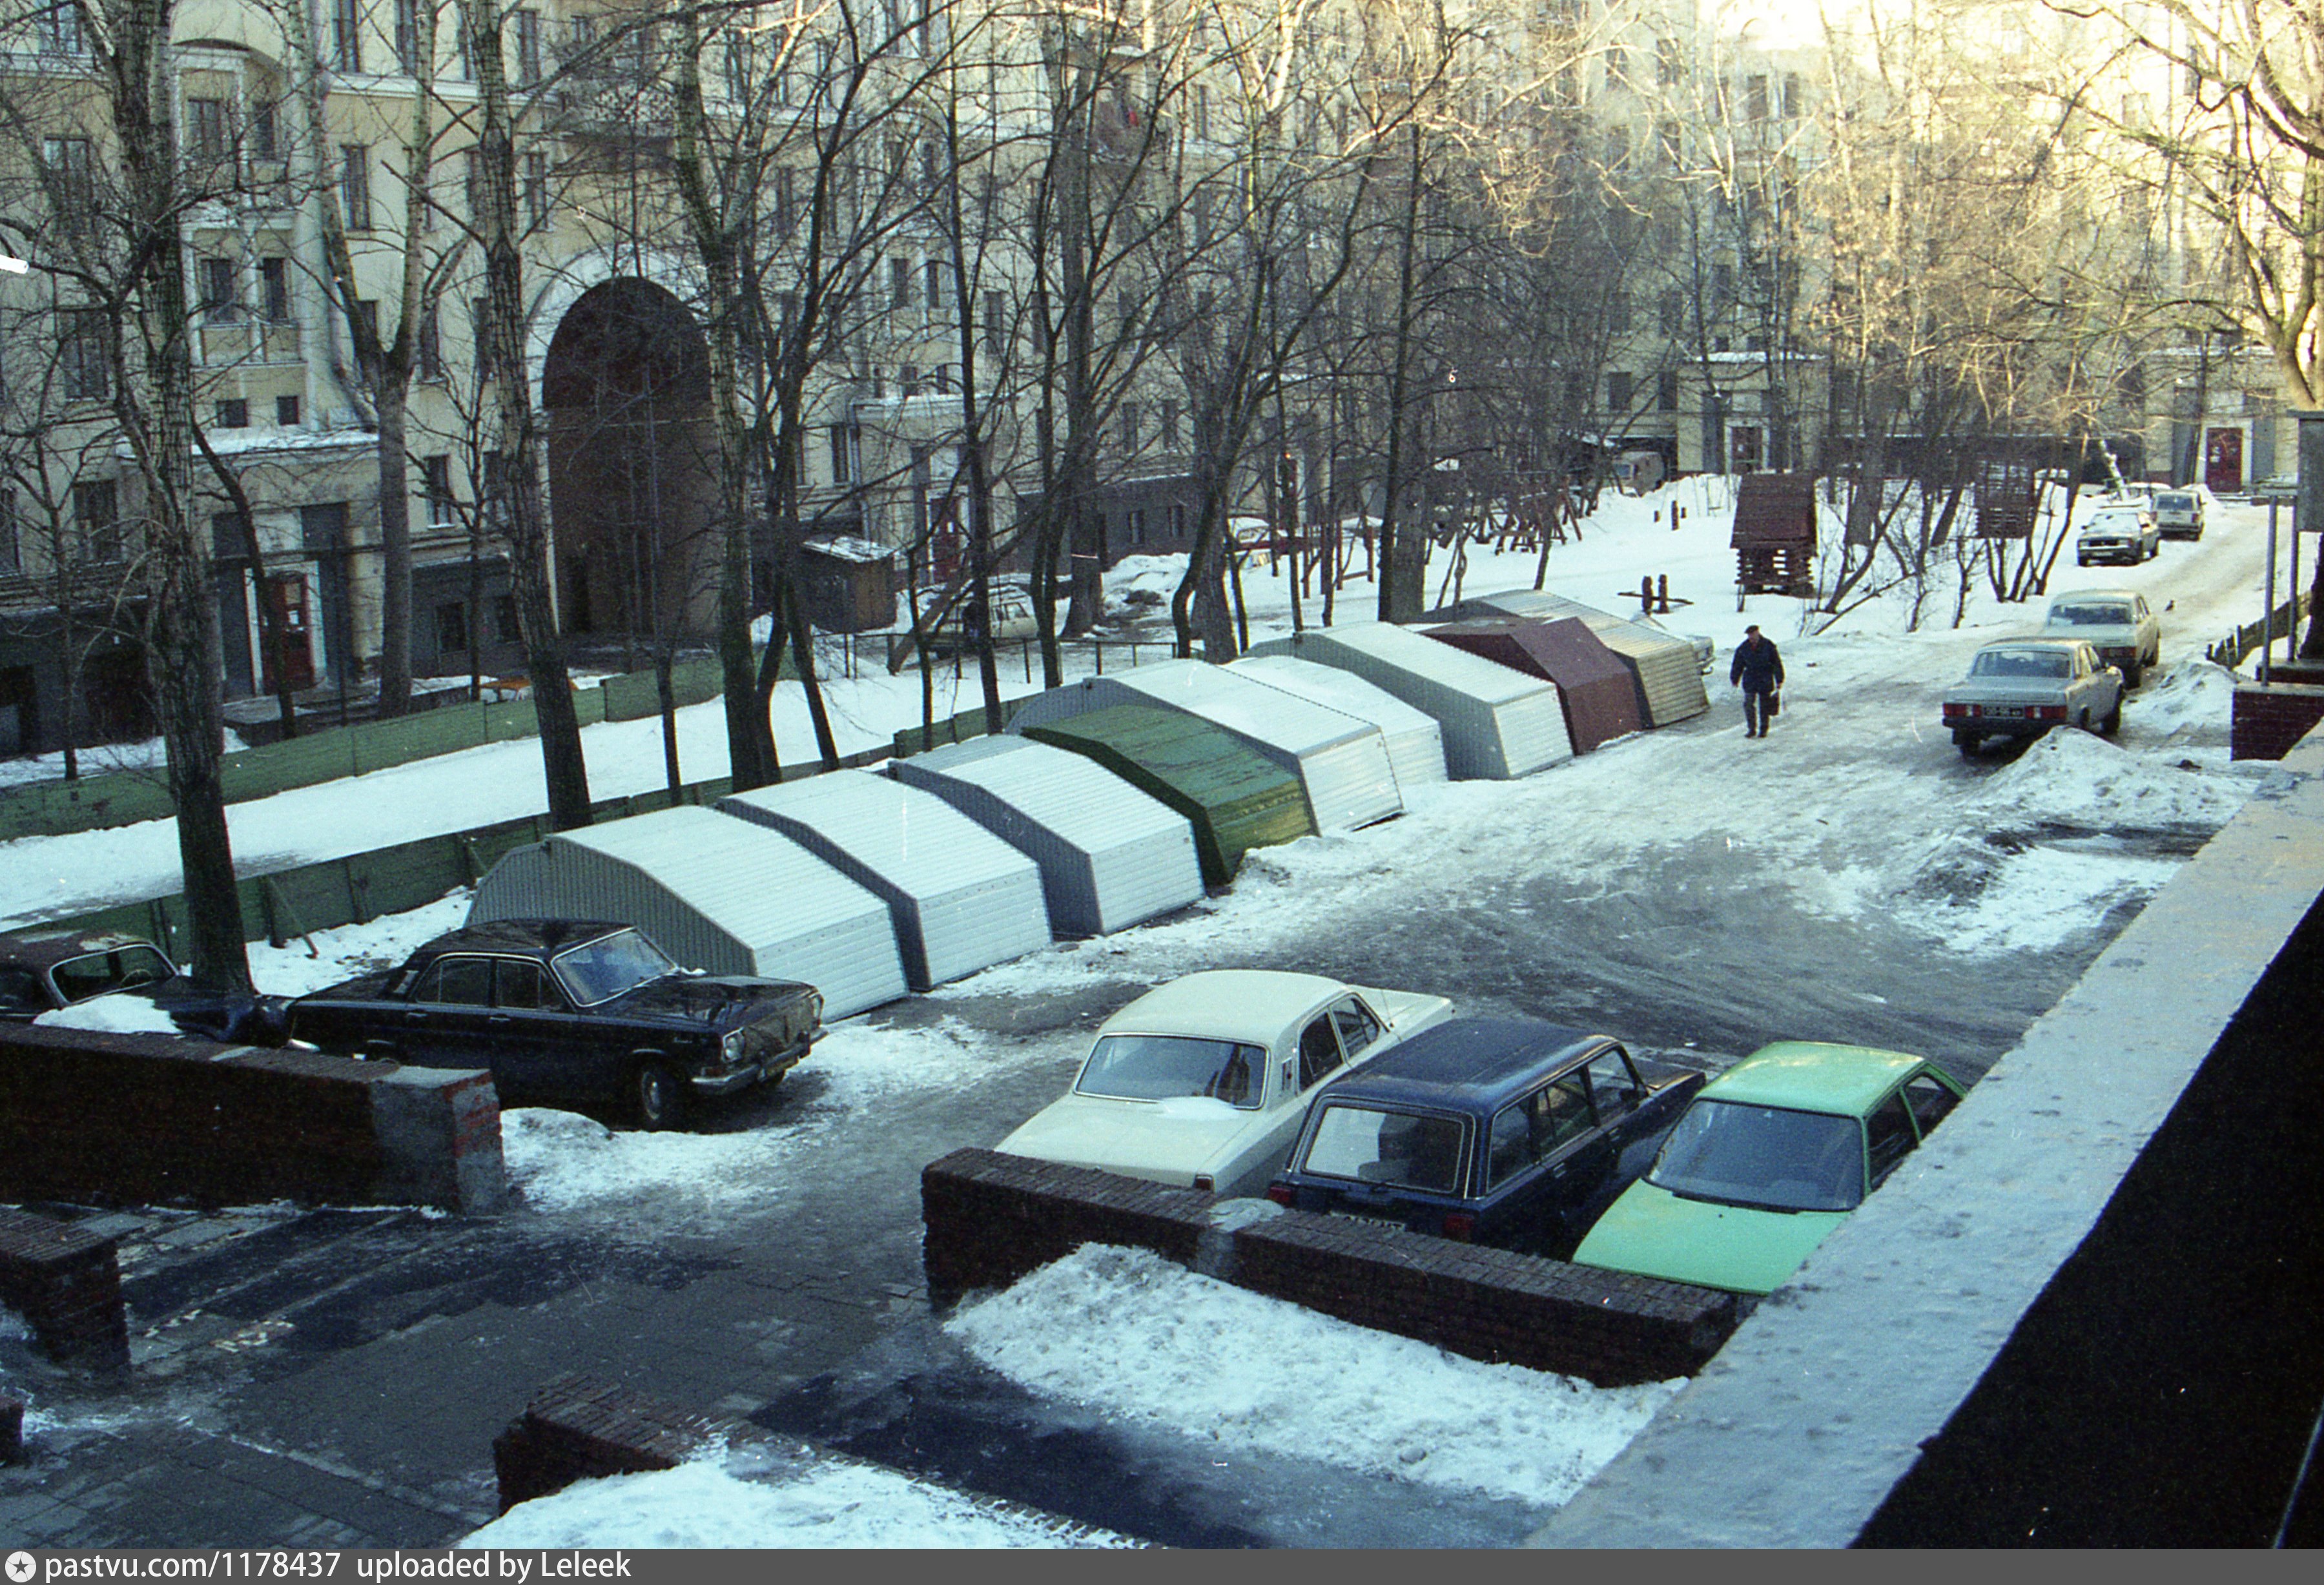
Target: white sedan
1203, 1082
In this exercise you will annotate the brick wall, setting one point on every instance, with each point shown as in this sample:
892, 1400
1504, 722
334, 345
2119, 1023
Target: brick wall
116, 1119
2269, 720
991, 1219
579, 1427
66, 1283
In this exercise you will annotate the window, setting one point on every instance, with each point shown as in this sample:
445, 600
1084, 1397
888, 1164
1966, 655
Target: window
786, 203
1887, 1135
472, 183
1129, 426
96, 515
84, 349
233, 413
1620, 389
936, 278
217, 290
206, 137
1614, 1087
407, 37
459, 981
528, 47
451, 628
1666, 61
274, 288
60, 30
1165, 424
907, 380
437, 474
1929, 1100
262, 133
519, 984
1319, 1053
1668, 307
900, 283
286, 411
1666, 392
355, 186
1536, 1128
842, 454
12, 556
70, 163
1754, 98
996, 320
931, 165
1133, 525
1723, 284
1357, 1027
536, 188
346, 34
431, 346
1407, 1149
1792, 98
366, 317
506, 629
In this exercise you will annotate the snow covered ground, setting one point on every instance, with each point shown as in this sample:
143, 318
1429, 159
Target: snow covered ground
1856, 809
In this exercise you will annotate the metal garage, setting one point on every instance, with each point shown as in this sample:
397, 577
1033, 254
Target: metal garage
963, 899
1341, 762
719, 894
1498, 724
1600, 697
1415, 743
1233, 796
1110, 855
1668, 669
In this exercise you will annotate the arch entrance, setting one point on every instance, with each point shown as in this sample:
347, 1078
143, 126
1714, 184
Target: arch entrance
632, 455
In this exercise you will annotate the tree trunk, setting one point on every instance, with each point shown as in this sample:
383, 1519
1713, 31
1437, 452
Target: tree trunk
394, 553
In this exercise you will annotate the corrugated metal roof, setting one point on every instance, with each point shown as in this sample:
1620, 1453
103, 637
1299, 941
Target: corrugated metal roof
963, 899
1415, 743
1599, 693
1234, 796
1667, 668
719, 894
1497, 723
1110, 854
1774, 509
1341, 763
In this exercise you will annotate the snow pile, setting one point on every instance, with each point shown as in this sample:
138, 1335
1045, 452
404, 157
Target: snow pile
2192, 697
702, 1504
2072, 779
863, 1062
297, 968
1125, 1331
1977, 897
562, 1161
119, 1013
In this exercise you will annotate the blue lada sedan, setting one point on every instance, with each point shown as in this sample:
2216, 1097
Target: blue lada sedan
1505, 1131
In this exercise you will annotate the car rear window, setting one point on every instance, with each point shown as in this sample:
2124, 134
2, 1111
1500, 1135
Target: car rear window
1172, 1068
1771, 1157
1399, 1149
2175, 502
2090, 615
122, 969
2021, 663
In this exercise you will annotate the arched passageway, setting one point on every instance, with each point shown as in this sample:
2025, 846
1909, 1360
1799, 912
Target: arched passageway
633, 453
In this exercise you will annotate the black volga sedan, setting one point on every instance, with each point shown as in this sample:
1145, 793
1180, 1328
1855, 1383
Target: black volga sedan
1505, 1131
572, 1011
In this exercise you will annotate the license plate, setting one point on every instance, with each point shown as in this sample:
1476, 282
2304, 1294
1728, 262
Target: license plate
2009, 712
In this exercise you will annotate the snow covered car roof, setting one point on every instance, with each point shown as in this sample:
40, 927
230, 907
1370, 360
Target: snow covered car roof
1254, 1005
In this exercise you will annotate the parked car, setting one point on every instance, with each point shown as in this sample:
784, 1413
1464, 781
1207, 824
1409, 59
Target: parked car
1506, 1132
954, 627
2022, 687
2117, 623
2123, 532
2179, 515
43, 971
1203, 1083
1769, 1158
570, 1011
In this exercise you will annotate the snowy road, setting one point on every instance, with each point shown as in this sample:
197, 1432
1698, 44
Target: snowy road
1850, 878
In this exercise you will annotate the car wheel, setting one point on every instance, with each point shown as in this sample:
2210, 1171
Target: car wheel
2131, 676
1966, 742
2112, 723
657, 1096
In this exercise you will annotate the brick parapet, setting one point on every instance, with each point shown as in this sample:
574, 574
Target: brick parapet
66, 1283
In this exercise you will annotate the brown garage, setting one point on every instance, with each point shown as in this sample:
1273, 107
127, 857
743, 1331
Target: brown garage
1596, 689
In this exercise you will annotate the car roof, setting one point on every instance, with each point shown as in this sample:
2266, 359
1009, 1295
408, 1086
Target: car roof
2071, 595
1466, 1063
520, 935
1254, 1005
2032, 642
1812, 1075
44, 949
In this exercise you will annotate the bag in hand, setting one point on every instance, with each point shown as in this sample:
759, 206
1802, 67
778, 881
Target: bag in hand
1774, 703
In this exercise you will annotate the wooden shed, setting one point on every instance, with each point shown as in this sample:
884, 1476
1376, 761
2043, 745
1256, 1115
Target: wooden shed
1235, 798
849, 585
1602, 701
1111, 854
1775, 537
1497, 723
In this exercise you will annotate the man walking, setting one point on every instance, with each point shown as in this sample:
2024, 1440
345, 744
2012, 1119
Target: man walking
1760, 672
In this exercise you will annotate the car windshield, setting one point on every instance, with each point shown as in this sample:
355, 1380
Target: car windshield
122, 969
2021, 663
2113, 615
2175, 502
2112, 522
1763, 1156
611, 967
1406, 1149
1169, 1068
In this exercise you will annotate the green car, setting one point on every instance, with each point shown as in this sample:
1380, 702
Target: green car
1770, 1157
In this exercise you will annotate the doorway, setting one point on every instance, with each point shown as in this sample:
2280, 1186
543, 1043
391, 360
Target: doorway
290, 653
2223, 461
